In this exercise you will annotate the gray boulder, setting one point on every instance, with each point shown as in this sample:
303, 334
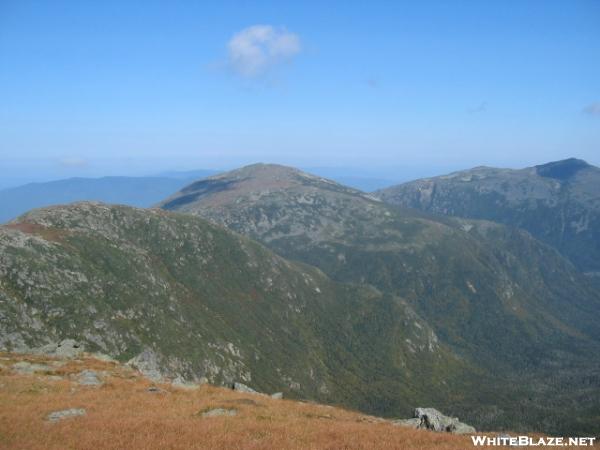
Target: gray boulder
277, 395
432, 419
219, 412
65, 414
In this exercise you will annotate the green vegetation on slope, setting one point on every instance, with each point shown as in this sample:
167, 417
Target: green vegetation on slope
558, 203
501, 300
189, 299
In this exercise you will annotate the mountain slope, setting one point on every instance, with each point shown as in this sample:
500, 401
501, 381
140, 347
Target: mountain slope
558, 203
128, 411
485, 289
133, 191
185, 298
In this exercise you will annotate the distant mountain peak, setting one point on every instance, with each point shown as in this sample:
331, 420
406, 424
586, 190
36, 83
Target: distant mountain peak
254, 180
260, 170
270, 172
561, 170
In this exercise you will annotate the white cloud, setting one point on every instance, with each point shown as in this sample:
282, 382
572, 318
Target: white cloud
593, 109
255, 49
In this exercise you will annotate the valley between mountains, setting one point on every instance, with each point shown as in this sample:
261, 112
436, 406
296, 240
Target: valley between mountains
289, 282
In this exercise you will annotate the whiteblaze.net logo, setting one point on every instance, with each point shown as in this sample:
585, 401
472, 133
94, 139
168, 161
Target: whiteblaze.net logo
525, 441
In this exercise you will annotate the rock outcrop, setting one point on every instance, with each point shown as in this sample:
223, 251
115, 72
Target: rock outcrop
433, 420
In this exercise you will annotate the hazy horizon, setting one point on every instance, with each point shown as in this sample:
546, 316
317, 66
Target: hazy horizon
381, 176
115, 88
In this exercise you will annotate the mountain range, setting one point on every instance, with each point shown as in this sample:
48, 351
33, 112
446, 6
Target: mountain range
133, 191
291, 282
486, 289
557, 202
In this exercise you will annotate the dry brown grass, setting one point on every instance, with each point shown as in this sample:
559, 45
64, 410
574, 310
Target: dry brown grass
122, 414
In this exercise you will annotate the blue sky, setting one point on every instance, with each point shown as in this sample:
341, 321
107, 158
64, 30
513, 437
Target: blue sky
92, 88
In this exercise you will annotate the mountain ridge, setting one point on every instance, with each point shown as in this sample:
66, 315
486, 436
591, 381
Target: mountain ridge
557, 202
185, 298
485, 288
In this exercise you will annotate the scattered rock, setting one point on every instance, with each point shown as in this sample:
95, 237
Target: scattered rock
89, 378
219, 412
277, 395
65, 413
432, 419
27, 368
